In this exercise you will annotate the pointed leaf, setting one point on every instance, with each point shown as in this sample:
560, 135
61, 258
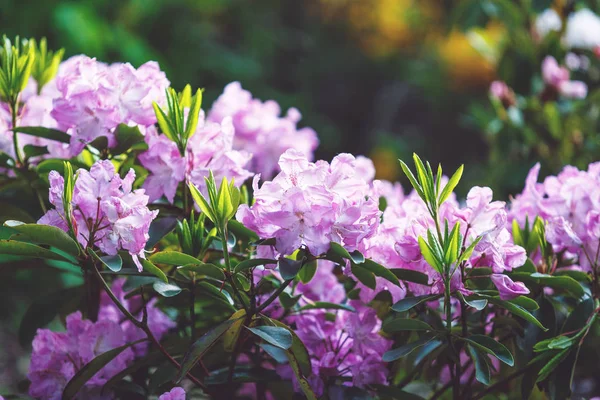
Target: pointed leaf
254, 262
277, 336
46, 133
90, 369
364, 276
166, 289
380, 270
154, 270
409, 302
409, 275
493, 347
24, 249
46, 234
402, 351
173, 258
405, 324
451, 185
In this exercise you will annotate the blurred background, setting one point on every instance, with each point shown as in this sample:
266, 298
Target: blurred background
382, 78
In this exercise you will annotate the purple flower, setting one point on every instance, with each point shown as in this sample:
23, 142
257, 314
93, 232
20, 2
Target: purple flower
107, 213
57, 356
158, 322
312, 204
507, 288
176, 393
209, 149
93, 98
260, 130
560, 233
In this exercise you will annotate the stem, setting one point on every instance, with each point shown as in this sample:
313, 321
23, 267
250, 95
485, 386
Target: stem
223, 234
498, 384
193, 309
274, 296
14, 109
144, 327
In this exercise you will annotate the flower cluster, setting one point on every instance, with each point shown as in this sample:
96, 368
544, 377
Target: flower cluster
570, 204
93, 98
107, 212
406, 219
209, 149
57, 356
260, 130
341, 343
313, 204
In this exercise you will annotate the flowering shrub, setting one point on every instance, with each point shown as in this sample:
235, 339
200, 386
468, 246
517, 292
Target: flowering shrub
313, 281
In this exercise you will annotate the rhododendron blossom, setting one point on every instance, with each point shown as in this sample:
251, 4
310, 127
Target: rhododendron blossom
260, 130
209, 149
93, 98
313, 204
107, 212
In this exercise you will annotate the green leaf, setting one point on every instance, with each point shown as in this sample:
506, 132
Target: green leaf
231, 336
518, 311
326, 305
297, 351
409, 275
204, 269
339, 250
477, 303
288, 301
451, 185
46, 234
525, 302
34, 151
114, 263
560, 282
577, 275
482, 366
364, 276
277, 336
402, 351
205, 207
241, 231
380, 270
413, 180
16, 248
127, 137
255, 262
193, 114
289, 268
409, 302
429, 255
308, 271
173, 258
154, 270
201, 346
405, 324
552, 364
278, 354
46, 133
491, 346
166, 289
90, 369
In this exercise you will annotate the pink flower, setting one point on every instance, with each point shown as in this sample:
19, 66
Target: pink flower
209, 149
107, 213
312, 204
260, 130
57, 356
93, 98
176, 393
560, 233
507, 288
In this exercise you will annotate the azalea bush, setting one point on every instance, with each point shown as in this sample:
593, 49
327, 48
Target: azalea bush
209, 256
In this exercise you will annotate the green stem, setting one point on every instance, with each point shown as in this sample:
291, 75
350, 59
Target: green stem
274, 296
14, 109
